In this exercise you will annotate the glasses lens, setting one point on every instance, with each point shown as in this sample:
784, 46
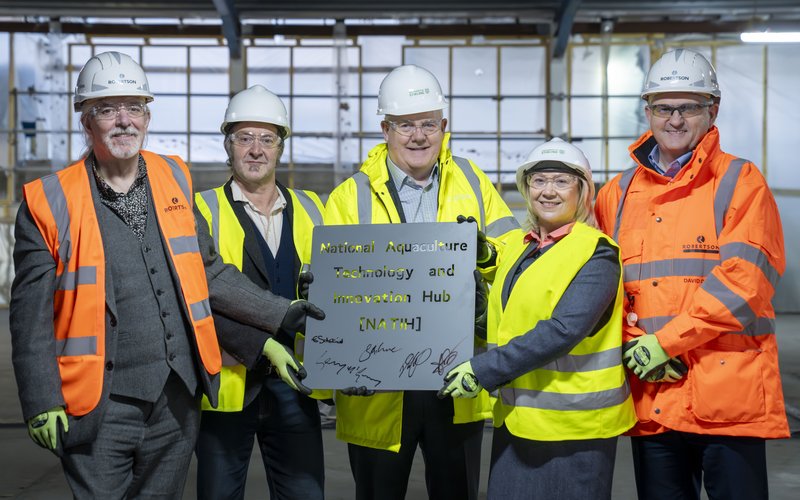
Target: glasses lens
135, 110
408, 129
560, 183
267, 141
111, 111
685, 110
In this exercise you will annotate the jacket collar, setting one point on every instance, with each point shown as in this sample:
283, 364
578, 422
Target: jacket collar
708, 146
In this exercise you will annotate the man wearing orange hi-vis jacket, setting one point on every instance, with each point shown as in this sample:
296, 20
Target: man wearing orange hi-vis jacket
702, 249
113, 341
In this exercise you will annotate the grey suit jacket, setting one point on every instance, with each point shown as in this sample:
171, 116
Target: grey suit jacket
31, 318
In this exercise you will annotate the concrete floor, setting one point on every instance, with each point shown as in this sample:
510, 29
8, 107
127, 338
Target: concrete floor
28, 472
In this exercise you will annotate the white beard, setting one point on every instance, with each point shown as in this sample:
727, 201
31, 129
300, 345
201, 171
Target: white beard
123, 150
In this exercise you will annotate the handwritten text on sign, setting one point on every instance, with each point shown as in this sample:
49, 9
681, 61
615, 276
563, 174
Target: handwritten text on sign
399, 300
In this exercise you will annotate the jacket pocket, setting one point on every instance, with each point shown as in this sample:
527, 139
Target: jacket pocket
727, 386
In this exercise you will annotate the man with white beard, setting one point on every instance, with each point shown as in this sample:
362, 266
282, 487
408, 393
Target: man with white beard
113, 342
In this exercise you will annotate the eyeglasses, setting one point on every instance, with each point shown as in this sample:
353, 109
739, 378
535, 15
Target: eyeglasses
561, 183
428, 127
267, 141
111, 111
685, 110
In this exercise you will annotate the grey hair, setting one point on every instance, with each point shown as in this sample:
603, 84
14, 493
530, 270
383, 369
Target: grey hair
86, 114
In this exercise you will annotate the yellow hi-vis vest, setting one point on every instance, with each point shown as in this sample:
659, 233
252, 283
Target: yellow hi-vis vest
582, 395
228, 238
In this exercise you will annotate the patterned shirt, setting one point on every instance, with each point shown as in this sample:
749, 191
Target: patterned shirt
131, 207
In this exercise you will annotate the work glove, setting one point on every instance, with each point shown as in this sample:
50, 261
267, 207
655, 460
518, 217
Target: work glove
460, 382
289, 369
673, 371
644, 356
295, 318
486, 254
303, 281
357, 391
43, 428
481, 304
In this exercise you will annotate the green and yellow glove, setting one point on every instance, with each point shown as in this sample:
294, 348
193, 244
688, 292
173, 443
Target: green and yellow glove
644, 356
43, 428
670, 373
460, 382
283, 361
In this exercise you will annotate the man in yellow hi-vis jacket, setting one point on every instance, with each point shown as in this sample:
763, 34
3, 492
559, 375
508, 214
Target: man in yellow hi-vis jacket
264, 229
413, 177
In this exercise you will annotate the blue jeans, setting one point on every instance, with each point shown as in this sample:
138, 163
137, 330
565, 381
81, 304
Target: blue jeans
287, 425
671, 466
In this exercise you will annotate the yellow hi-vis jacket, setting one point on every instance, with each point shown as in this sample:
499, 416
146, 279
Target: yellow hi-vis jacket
376, 421
582, 395
228, 235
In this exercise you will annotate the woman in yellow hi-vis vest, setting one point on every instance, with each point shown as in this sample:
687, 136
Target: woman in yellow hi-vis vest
555, 334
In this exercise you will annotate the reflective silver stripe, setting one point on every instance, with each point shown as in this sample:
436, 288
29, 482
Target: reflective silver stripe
751, 254
541, 400
572, 363
200, 310
624, 184
735, 304
475, 184
300, 347
653, 324
363, 197
761, 326
210, 197
54, 192
669, 267
724, 195
310, 207
501, 226
184, 244
76, 346
480, 349
305, 268
179, 176
85, 275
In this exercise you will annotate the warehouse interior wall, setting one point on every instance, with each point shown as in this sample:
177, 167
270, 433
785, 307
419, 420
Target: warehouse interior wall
506, 97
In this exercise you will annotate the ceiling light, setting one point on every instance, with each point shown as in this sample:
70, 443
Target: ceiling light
771, 37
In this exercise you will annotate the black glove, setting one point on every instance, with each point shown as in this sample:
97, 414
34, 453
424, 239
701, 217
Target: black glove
303, 281
357, 391
486, 254
295, 318
481, 304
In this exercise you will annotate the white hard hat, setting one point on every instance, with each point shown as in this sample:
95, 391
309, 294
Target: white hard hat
410, 89
257, 104
554, 151
682, 70
111, 74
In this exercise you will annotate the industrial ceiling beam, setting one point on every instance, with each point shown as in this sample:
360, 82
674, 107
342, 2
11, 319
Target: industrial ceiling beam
231, 26
565, 18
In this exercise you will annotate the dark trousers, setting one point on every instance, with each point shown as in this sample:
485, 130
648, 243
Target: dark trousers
142, 450
287, 426
522, 468
452, 454
672, 465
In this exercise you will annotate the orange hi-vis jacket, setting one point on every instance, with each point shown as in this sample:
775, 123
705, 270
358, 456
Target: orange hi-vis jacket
702, 254
62, 207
